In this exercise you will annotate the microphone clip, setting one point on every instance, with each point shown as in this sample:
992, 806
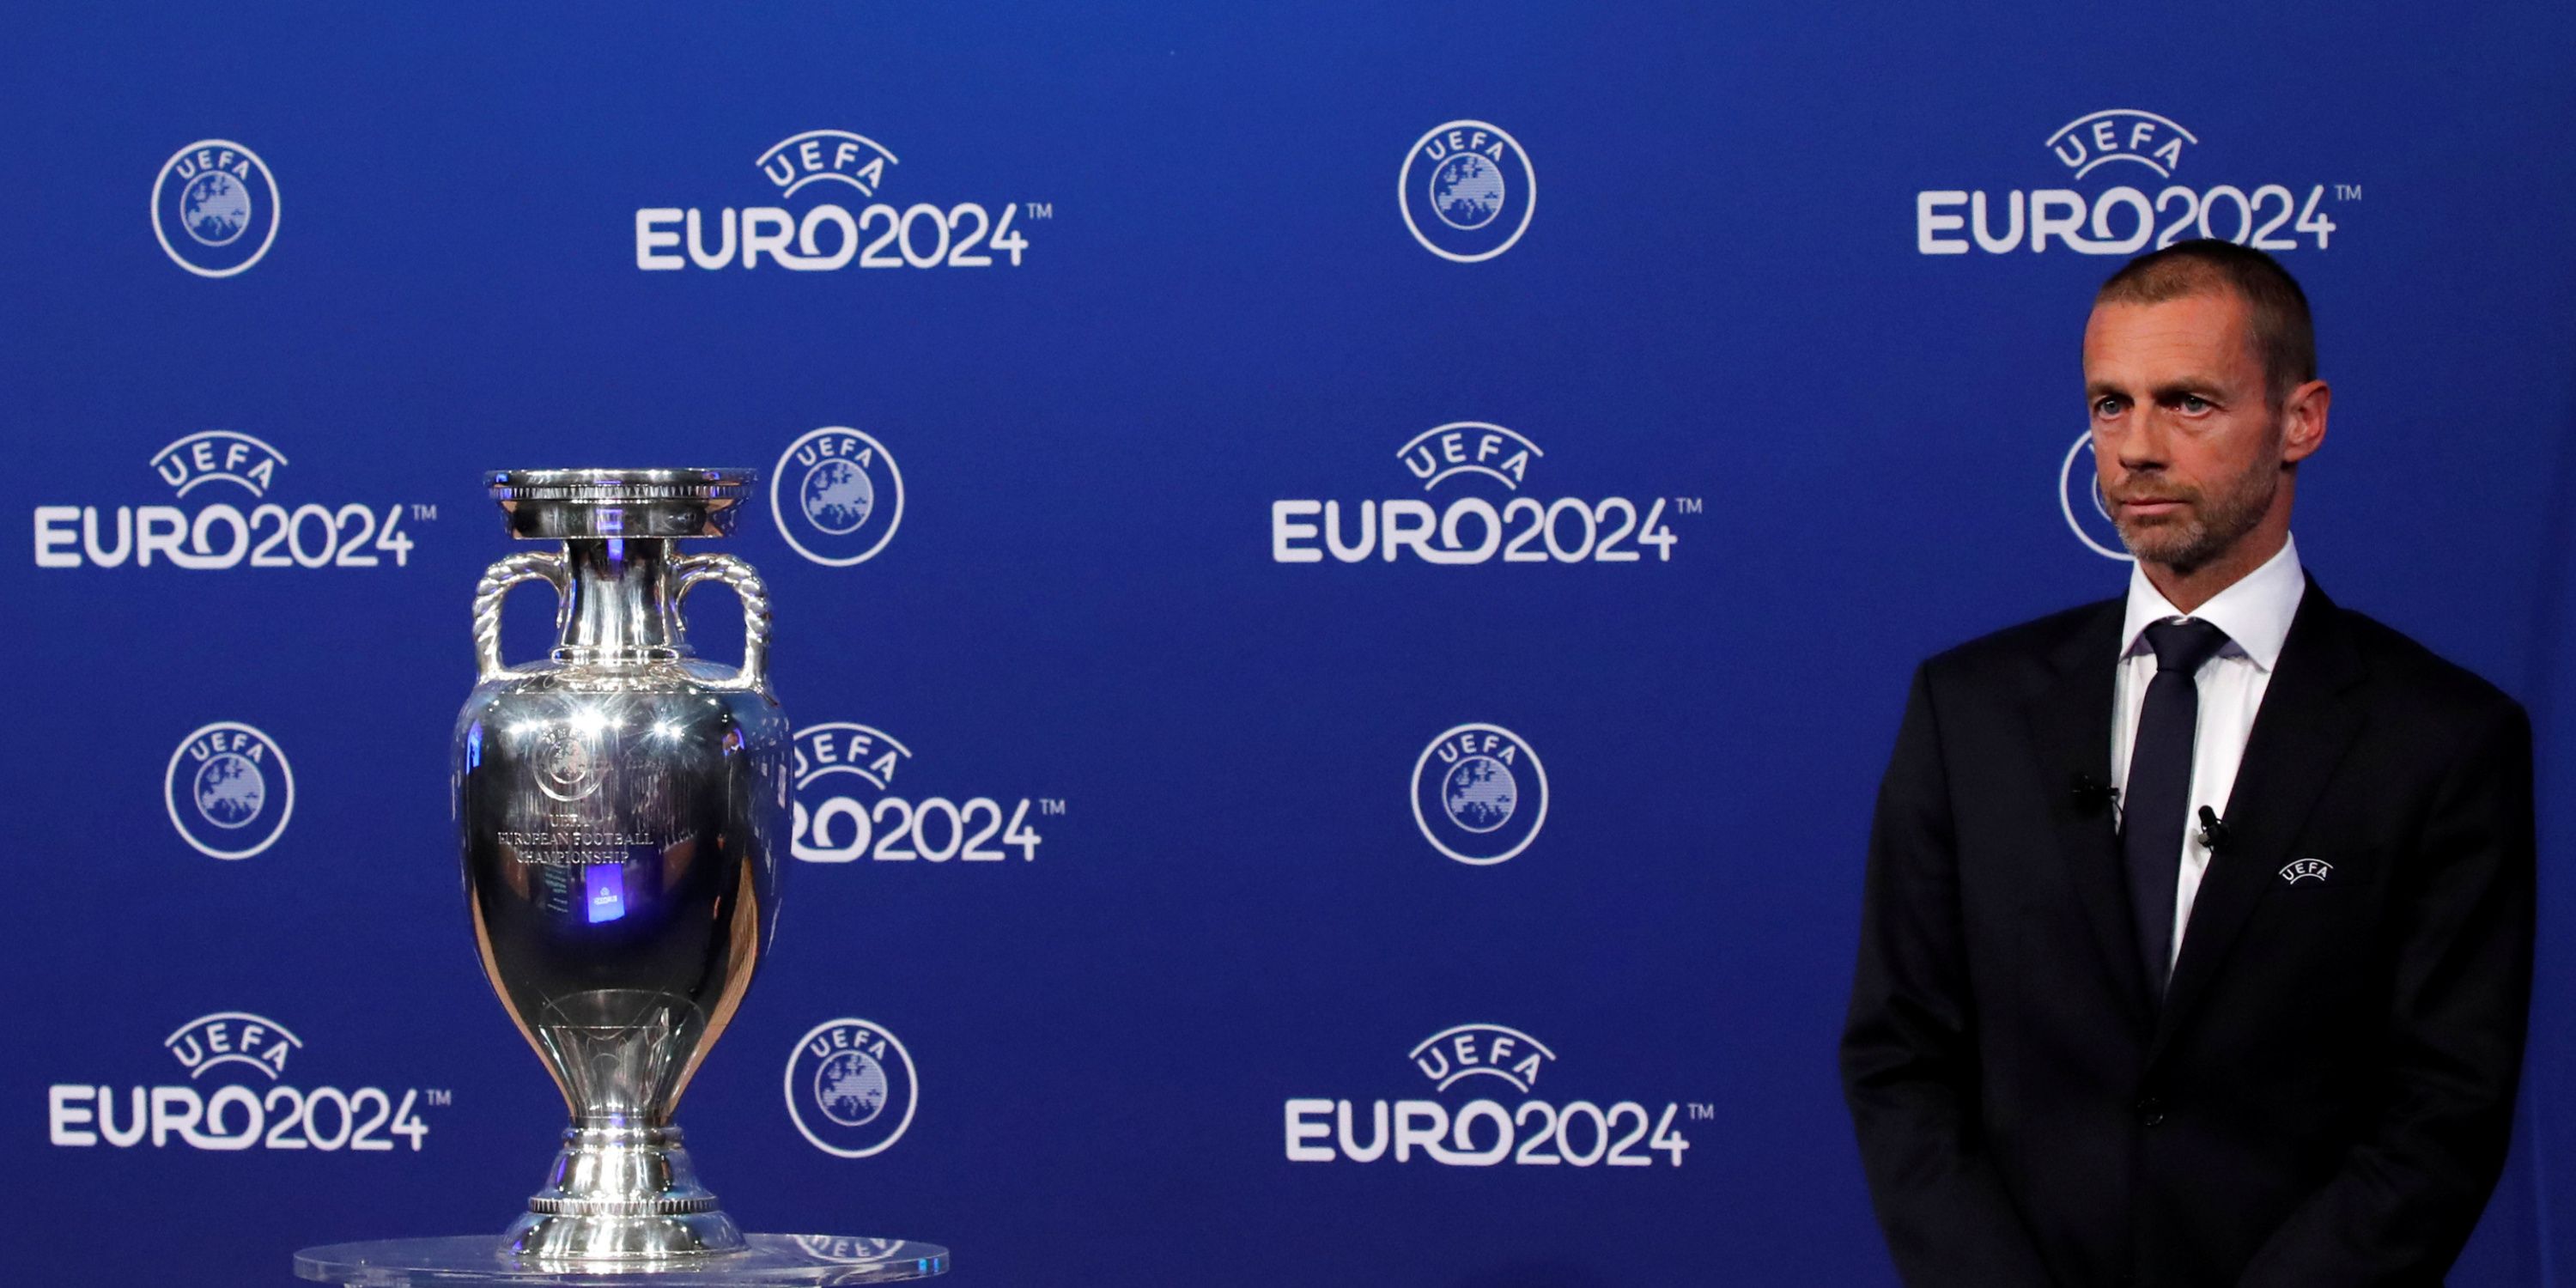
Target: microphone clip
2213, 830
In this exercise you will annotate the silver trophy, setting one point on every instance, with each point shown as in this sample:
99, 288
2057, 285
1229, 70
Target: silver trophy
622, 807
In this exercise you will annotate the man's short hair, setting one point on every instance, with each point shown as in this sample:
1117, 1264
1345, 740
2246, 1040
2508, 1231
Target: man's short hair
2284, 337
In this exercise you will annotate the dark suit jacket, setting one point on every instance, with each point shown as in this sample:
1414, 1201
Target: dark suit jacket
2321, 1099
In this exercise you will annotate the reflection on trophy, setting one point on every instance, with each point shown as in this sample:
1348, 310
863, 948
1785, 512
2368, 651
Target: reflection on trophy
622, 809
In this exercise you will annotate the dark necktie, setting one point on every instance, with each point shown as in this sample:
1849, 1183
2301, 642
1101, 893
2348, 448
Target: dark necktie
2156, 806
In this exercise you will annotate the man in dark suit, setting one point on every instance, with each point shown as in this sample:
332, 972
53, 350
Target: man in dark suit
2196, 946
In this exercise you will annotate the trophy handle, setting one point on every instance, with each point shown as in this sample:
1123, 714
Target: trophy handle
536, 565
693, 570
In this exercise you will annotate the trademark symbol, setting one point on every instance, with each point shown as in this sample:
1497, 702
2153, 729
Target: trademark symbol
1700, 1113
1687, 504
442, 1097
2347, 192
1039, 209
1050, 805
423, 513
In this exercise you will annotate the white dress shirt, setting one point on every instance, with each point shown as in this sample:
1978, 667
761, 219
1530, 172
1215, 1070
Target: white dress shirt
2255, 612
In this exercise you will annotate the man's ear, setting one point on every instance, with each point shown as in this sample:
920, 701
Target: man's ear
2303, 421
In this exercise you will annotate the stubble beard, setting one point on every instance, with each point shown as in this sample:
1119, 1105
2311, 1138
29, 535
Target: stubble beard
2209, 525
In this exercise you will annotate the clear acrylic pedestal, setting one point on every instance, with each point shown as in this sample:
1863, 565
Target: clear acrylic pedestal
772, 1259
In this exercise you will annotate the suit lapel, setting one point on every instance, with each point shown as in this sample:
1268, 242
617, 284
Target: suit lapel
2306, 722
2071, 727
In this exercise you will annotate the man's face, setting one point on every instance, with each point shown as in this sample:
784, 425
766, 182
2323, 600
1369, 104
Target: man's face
2188, 450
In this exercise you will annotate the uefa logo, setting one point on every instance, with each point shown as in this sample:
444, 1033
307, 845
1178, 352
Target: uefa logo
851, 1088
851, 1250
226, 530
1507, 524
838, 820
214, 208
235, 1098
1479, 794
218, 456
1508, 1055
1467, 191
229, 790
827, 236
566, 766
837, 496
2147, 205
2079, 498
232, 1037
1522, 1129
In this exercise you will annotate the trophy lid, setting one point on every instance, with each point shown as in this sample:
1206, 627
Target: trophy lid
556, 504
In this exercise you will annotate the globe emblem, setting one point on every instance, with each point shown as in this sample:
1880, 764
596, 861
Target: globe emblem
851, 1088
230, 790
837, 496
566, 760
1479, 793
568, 767
214, 208
1466, 191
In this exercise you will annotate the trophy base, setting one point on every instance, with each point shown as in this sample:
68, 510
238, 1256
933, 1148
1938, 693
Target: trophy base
769, 1259
579, 1238
625, 1194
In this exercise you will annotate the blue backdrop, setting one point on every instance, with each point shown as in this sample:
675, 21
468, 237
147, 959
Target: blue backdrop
1415, 637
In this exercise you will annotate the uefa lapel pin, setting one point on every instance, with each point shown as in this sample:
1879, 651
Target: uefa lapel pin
2305, 869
